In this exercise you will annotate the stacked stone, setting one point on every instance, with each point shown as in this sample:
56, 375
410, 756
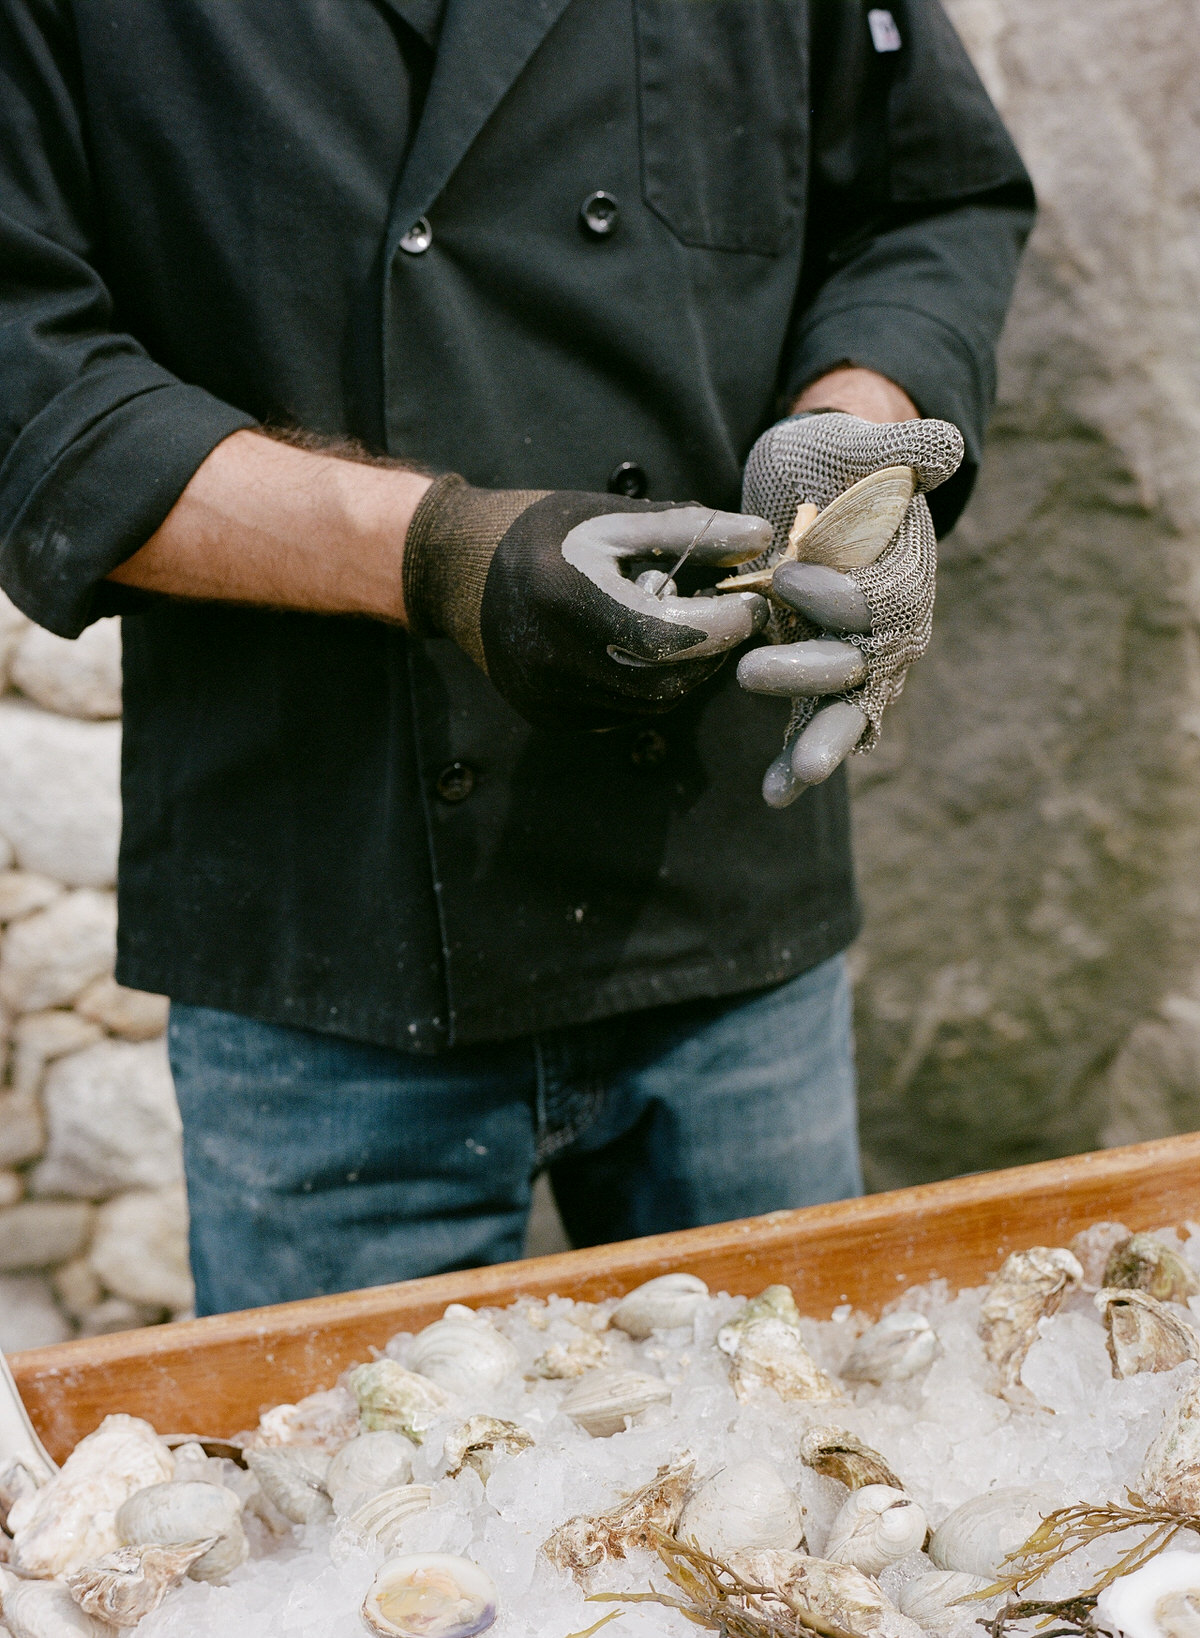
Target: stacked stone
93, 1224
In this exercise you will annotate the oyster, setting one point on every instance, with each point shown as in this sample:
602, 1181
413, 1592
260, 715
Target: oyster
1094, 1246
1030, 1285
381, 1518
1161, 1600
601, 1401
430, 1595
563, 1361
69, 1521
744, 1505
775, 1302
772, 1354
978, 1536
839, 1454
932, 1600
322, 1421
1143, 1334
1142, 1263
792, 1583
463, 1353
899, 1346
877, 1525
366, 1464
393, 1400
177, 1513
45, 1609
582, 1543
124, 1586
293, 1480
480, 1441
1171, 1471
660, 1305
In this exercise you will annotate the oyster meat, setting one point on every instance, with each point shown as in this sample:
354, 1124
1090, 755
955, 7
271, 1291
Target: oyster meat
836, 1453
1030, 1285
877, 1525
178, 1513
462, 1353
582, 1543
662, 1304
430, 1595
744, 1505
899, 1346
1143, 1263
122, 1587
393, 1400
601, 1401
1143, 1334
480, 1442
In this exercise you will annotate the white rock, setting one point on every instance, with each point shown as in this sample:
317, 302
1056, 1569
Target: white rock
77, 1287
29, 1315
39, 1038
140, 1248
49, 958
22, 1129
39, 1233
79, 678
24, 891
113, 1314
113, 1122
60, 804
134, 1014
13, 626
11, 1188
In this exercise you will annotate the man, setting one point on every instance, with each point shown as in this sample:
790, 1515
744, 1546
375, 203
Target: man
424, 929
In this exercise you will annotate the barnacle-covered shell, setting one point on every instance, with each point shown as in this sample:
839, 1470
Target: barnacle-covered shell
1143, 1334
1171, 1471
877, 1525
1161, 1600
393, 1400
932, 1600
381, 1518
1030, 1285
1142, 1263
480, 1442
838, 1593
45, 1609
978, 1536
836, 1453
124, 1586
293, 1478
463, 1353
582, 1543
366, 1464
743, 1505
182, 1511
772, 1354
659, 1305
600, 1401
70, 1521
775, 1302
899, 1346
430, 1595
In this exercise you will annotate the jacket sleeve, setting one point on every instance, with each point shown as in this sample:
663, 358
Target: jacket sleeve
97, 441
919, 209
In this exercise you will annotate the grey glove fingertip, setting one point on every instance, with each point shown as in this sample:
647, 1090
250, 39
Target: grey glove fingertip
829, 599
827, 742
802, 670
780, 787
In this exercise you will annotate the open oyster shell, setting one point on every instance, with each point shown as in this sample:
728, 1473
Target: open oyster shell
1161, 1600
430, 1595
1143, 1334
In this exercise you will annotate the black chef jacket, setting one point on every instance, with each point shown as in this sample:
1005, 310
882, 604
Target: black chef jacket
206, 222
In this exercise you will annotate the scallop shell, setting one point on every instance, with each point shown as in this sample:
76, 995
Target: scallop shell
932, 1600
293, 1479
1143, 1335
663, 1304
877, 1525
381, 1518
772, 1354
122, 1587
1171, 1471
838, 1593
480, 1442
1161, 1600
775, 1302
68, 1522
462, 1353
899, 1346
393, 1400
1142, 1263
601, 1401
1030, 1285
369, 1463
430, 1595
179, 1512
45, 1609
839, 1454
978, 1536
743, 1505
582, 1543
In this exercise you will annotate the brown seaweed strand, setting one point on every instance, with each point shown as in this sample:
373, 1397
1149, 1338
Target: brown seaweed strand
1068, 1529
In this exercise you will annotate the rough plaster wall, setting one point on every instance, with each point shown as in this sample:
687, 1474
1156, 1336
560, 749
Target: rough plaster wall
1029, 833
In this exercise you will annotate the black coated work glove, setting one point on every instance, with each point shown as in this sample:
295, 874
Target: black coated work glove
553, 595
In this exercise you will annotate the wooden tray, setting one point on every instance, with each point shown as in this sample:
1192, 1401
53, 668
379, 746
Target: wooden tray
214, 1376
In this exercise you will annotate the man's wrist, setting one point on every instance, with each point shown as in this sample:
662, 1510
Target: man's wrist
858, 391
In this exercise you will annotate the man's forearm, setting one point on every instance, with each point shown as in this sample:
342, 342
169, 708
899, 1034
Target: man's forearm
860, 392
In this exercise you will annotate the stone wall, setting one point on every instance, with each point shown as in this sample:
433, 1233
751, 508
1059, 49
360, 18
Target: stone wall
92, 1217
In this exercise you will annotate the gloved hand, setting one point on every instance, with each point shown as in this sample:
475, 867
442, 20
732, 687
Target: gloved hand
552, 594
884, 610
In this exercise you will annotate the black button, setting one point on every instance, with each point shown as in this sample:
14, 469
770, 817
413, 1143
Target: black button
600, 214
649, 749
455, 783
628, 479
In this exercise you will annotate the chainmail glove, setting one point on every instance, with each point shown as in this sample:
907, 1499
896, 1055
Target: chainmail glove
880, 615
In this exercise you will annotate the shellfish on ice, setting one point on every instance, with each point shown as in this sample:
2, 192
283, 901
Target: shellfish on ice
178, 1512
795, 1584
744, 1505
430, 1595
1160, 1600
774, 1302
836, 1453
1143, 1334
582, 1543
393, 1400
773, 1354
662, 1304
45, 1609
293, 1479
978, 1536
1171, 1471
382, 1517
463, 1353
124, 1586
601, 1401
480, 1442
1030, 1285
876, 1525
1144, 1263
366, 1464
933, 1600
899, 1346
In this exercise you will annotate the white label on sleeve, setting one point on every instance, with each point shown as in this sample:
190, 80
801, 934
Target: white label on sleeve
885, 36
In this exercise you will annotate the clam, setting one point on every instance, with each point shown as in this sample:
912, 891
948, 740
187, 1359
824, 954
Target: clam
1030, 1285
1143, 1334
877, 1525
122, 1587
1161, 1600
462, 1353
899, 1346
68, 1522
1142, 1263
293, 1480
381, 1518
775, 1302
430, 1595
1171, 1471
933, 1600
393, 1400
744, 1505
177, 1513
480, 1442
978, 1536
836, 1453
663, 1304
601, 1401
794, 1585
366, 1464
582, 1543
45, 1609
772, 1354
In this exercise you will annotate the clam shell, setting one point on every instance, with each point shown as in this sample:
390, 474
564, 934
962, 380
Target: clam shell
772, 1354
178, 1513
601, 1401
430, 1595
775, 1302
1161, 1600
877, 1525
932, 1600
393, 1400
853, 530
836, 1453
978, 1536
1171, 1471
582, 1543
899, 1346
45, 1609
1142, 1263
1143, 1335
838, 1593
463, 1354
660, 1305
381, 1518
745, 1505
124, 1586
371, 1462
293, 1479
1030, 1285
480, 1442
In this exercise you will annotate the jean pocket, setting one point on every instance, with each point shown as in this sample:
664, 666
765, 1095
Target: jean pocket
724, 119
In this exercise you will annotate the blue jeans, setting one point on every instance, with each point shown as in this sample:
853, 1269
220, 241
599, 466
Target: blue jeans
316, 1164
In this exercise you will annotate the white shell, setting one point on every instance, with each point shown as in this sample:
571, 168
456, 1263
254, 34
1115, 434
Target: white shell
381, 1518
772, 1354
660, 1305
853, 530
841, 1594
124, 1586
875, 1527
173, 1514
372, 1462
744, 1505
931, 1600
481, 1442
1161, 1600
1171, 1471
293, 1478
1143, 1334
635, 1522
775, 1302
463, 1354
899, 1346
431, 1595
45, 1609
393, 1400
1030, 1285
69, 1521
978, 1536
600, 1401
836, 1453
1143, 1263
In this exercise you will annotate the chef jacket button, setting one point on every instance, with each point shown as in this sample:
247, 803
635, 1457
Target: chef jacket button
418, 238
600, 214
628, 479
649, 749
456, 782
